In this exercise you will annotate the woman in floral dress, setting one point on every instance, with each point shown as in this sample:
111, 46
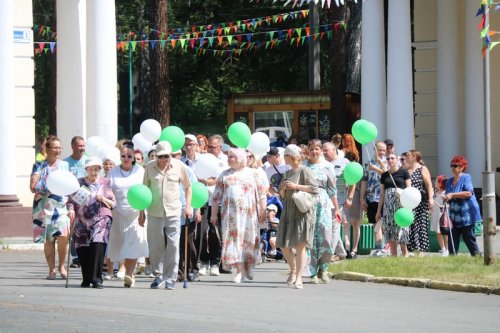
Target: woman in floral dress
242, 196
322, 250
50, 215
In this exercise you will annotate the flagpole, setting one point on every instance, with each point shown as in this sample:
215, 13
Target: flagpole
489, 208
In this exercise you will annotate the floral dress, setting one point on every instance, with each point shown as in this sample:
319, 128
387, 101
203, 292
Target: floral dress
419, 229
321, 252
238, 193
50, 215
93, 218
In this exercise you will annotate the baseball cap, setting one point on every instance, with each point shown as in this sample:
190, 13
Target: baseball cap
389, 142
190, 137
272, 207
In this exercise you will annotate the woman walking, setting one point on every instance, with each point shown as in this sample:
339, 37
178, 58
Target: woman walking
91, 214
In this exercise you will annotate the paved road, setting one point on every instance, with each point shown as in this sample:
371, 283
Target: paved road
28, 303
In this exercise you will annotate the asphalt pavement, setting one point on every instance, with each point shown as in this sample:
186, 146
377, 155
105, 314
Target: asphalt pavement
29, 303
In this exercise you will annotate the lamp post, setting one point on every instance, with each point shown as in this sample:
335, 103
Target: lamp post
489, 209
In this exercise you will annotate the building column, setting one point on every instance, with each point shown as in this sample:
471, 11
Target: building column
71, 34
102, 98
474, 100
8, 195
373, 77
400, 122
449, 128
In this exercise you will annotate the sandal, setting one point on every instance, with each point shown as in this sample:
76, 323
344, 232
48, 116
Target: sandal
291, 278
298, 284
64, 273
51, 276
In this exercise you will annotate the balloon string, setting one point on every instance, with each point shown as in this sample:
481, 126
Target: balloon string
368, 153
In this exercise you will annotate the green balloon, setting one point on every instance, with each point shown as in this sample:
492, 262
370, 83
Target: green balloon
239, 134
174, 135
404, 217
353, 173
364, 131
199, 195
139, 196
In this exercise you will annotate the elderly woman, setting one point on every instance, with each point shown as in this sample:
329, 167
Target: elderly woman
127, 240
421, 180
393, 179
296, 229
463, 207
90, 211
322, 250
50, 215
242, 196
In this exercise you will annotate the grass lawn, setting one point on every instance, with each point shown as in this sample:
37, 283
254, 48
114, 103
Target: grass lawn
458, 269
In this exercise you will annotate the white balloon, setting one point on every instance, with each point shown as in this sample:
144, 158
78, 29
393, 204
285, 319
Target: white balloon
141, 143
94, 146
259, 143
206, 166
151, 130
62, 182
410, 197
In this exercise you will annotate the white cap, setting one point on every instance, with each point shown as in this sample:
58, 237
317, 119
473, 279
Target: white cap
190, 137
163, 148
93, 161
272, 207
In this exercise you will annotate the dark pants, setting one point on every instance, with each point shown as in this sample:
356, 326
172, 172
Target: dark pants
91, 259
469, 238
192, 264
371, 212
211, 242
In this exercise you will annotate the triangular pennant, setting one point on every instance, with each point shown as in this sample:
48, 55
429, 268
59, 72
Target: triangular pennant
271, 35
220, 39
173, 42
210, 41
191, 42
308, 30
249, 37
202, 41
298, 31
153, 44
229, 39
183, 42
134, 45
162, 43
52, 45
239, 38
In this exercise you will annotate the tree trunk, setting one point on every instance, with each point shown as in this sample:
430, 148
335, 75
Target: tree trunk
354, 50
160, 101
338, 65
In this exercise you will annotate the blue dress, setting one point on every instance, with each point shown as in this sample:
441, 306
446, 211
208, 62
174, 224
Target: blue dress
463, 212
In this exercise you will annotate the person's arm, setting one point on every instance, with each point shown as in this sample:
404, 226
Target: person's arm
380, 203
350, 196
466, 192
426, 175
362, 194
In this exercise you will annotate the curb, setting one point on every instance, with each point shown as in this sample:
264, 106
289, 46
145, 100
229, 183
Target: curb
21, 247
417, 283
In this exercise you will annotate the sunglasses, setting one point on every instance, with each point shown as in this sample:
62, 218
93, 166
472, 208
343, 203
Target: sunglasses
454, 166
127, 156
162, 156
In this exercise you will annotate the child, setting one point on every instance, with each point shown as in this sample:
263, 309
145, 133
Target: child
437, 210
269, 235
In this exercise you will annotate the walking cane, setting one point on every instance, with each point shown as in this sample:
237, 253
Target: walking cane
69, 251
186, 231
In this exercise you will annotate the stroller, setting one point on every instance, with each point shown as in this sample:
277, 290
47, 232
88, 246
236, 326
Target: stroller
265, 234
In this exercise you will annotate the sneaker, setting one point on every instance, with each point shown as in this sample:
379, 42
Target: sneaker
272, 253
75, 263
444, 253
387, 248
157, 283
120, 275
148, 271
324, 278
203, 270
109, 277
238, 278
170, 285
214, 271
378, 254
314, 279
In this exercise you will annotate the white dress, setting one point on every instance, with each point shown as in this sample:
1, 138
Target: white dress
436, 211
127, 238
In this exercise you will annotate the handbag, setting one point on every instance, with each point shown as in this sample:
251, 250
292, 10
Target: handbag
445, 223
304, 200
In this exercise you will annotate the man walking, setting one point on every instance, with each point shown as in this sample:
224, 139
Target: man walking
164, 177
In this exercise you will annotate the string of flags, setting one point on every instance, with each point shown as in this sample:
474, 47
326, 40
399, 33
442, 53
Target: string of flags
47, 34
324, 3
486, 33
230, 45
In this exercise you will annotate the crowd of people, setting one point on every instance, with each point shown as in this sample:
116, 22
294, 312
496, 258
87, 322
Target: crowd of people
290, 203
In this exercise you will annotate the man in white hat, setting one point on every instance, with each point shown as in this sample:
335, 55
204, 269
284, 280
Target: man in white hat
191, 148
164, 176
